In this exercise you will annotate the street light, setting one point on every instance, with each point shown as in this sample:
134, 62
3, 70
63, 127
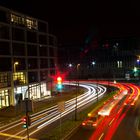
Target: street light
14, 81
77, 68
70, 65
15, 64
14, 71
93, 63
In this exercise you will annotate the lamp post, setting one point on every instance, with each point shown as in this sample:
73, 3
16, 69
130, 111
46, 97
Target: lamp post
77, 68
14, 71
14, 83
15, 64
70, 68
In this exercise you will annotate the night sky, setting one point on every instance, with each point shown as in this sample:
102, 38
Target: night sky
74, 22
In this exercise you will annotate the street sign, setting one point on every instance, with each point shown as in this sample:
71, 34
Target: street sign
61, 106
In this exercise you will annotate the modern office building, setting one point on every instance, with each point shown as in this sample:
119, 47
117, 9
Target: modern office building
28, 56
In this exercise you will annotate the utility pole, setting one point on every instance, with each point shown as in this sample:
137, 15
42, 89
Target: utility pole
97, 88
27, 116
77, 90
76, 102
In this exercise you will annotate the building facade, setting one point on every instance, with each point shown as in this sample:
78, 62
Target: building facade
28, 56
115, 58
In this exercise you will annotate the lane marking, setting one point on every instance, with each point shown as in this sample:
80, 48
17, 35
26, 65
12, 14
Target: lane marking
101, 136
13, 136
111, 121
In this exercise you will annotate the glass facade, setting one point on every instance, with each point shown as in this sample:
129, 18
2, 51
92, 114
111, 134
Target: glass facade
42, 27
19, 78
42, 39
4, 98
43, 75
33, 77
24, 21
24, 57
31, 24
44, 63
51, 52
43, 50
22, 63
5, 64
32, 63
18, 49
34, 91
31, 50
18, 34
5, 80
31, 37
4, 31
3, 16
4, 48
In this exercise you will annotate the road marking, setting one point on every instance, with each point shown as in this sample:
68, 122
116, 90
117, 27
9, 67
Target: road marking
101, 136
13, 136
111, 121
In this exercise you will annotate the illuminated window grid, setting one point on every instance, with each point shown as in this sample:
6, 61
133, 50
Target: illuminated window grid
4, 98
3, 78
28, 22
19, 75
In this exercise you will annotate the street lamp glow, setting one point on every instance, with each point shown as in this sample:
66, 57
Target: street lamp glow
70, 65
15, 64
93, 63
135, 69
78, 65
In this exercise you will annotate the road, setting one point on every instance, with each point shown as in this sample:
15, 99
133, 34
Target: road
129, 124
120, 124
45, 118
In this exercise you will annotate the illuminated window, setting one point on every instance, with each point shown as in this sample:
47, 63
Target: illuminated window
43, 89
17, 19
19, 78
4, 80
119, 64
21, 20
30, 23
34, 91
4, 98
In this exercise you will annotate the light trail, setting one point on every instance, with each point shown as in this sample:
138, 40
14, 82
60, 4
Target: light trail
110, 124
52, 114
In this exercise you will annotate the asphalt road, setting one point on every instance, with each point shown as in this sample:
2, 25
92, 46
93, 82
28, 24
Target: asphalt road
93, 134
127, 129
121, 130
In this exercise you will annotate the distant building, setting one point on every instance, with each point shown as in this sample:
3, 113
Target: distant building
113, 58
28, 55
